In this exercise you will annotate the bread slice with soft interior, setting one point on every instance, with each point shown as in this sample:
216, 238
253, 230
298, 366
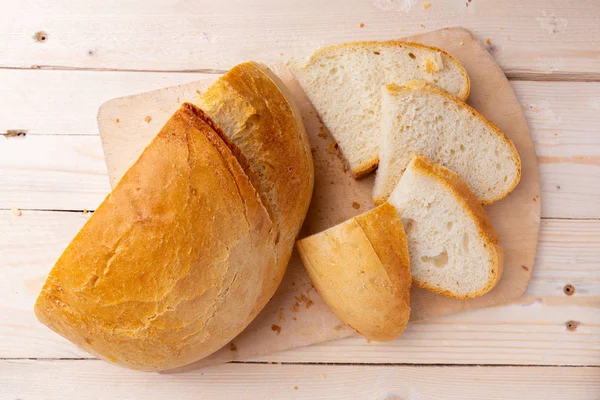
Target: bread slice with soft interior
452, 245
420, 118
344, 82
361, 268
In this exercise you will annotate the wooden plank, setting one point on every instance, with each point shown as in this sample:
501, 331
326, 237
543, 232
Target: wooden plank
558, 113
67, 172
34, 102
548, 37
530, 332
52, 172
564, 119
33, 379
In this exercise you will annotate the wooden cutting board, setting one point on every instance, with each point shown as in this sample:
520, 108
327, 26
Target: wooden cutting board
297, 316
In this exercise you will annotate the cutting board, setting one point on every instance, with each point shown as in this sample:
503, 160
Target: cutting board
297, 316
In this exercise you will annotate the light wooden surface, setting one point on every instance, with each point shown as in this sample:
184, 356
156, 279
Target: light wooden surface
550, 50
95, 379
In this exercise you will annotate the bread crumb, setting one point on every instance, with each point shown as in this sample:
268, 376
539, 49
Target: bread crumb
362, 25
508, 38
295, 387
117, 120
309, 304
85, 211
422, 26
426, 5
148, 118
322, 376
369, 340
294, 318
489, 41
198, 92
276, 328
429, 66
355, 205
232, 346
15, 211
461, 43
322, 133
279, 363
525, 267
332, 148
269, 362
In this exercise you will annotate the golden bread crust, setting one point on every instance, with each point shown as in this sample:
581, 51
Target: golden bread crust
361, 268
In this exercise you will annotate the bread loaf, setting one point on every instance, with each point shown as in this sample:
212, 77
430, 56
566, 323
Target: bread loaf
344, 82
189, 246
453, 247
361, 268
420, 118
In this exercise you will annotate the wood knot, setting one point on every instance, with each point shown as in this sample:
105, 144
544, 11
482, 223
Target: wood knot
572, 325
569, 290
15, 133
40, 37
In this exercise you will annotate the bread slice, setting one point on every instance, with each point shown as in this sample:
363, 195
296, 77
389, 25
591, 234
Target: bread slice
361, 269
452, 245
420, 118
344, 84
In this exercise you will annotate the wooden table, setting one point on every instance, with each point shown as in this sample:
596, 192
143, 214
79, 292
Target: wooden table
59, 60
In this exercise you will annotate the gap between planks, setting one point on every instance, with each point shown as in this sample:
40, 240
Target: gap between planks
82, 210
512, 76
341, 364
286, 381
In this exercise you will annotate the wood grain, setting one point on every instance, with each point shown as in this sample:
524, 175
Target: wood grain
567, 109
534, 37
532, 331
36, 92
67, 172
52, 172
96, 379
538, 39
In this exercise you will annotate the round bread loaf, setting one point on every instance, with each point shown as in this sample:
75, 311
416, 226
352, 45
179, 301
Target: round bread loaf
194, 239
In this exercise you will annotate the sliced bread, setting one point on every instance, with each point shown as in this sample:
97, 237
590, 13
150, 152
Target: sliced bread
420, 118
344, 84
361, 269
452, 245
